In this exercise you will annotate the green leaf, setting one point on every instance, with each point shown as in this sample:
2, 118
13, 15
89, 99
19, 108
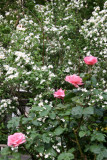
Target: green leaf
77, 111
68, 96
4, 158
82, 134
59, 130
45, 138
66, 156
37, 108
40, 149
95, 149
44, 113
98, 136
88, 110
14, 122
36, 123
48, 107
94, 81
87, 84
5, 151
52, 152
60, 107
52, 115
77, 100
100, 150
17, 156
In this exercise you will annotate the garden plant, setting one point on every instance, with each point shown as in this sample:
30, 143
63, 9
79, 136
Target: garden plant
53, 91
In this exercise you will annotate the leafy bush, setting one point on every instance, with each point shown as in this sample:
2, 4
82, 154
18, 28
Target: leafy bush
40, 46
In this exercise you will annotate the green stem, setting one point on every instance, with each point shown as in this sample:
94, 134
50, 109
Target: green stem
95, 157
78, 144
62, 144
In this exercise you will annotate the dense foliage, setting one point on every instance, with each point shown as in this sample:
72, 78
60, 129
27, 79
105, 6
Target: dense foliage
42, 42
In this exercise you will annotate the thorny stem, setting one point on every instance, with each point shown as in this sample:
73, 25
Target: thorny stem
95, 157
78, 144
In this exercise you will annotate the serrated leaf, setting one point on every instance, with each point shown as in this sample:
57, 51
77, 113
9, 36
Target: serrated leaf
58, 131
40, 149
94, 81
52, 115
98, 136
5, 151
44, 113
66, 156
17, 156
88, 110
60, 106
46, 138
95, 149
77, 111
52, 152
82, 134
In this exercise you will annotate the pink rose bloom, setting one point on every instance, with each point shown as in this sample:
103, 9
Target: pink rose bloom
16, 139
90, 60
74, 80
59, 94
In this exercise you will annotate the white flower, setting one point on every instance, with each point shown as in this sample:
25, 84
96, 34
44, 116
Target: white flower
31, 34
20, 27
7, 13
27, 38
50, 66
5, 104
37, 78
26, 82
52, 75
40, 104
35, 99
9, 101
101, 97
69, 62
37, 36
44, 68
2, 56
46, 101
30, 21
29, 127
84, 90
40, 96
104, 71
15, 98
42, 81
68, 47
47, 155
67, 70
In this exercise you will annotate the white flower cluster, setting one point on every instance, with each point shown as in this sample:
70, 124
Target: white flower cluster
2, 53
11, 72
94, 29
23, 55
76, 4
20, 27
4, 103
1, 17
40, 102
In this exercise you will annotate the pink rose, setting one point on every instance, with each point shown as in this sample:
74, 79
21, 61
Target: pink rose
90, 60
16, 139
74, 80
59, 94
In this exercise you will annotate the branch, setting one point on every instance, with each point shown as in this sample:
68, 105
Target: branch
78, 144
